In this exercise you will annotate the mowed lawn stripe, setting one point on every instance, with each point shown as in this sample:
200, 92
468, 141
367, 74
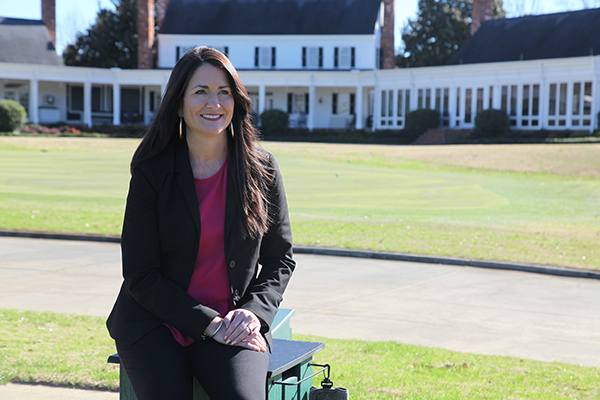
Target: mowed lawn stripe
360, 197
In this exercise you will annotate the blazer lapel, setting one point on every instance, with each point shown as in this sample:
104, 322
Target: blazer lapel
231, 202
185, 180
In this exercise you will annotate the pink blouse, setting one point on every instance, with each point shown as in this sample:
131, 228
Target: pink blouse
210, 283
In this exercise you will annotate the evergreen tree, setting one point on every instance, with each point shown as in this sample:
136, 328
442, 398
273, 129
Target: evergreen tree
440, 29
110, 42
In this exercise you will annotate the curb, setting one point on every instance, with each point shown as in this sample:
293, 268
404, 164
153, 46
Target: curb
323, 251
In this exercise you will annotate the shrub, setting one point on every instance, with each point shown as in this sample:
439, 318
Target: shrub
417, 123
274, 121
494, 122
12, 116
422, 120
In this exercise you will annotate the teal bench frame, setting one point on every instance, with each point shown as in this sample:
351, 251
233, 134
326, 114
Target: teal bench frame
290, 365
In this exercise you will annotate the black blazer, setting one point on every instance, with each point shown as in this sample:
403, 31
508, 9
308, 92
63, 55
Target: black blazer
159, 243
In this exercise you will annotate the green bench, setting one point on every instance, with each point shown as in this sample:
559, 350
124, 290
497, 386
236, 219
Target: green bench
290, 365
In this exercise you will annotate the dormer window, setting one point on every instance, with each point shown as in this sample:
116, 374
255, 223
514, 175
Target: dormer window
264, 57
312, 57
344, 57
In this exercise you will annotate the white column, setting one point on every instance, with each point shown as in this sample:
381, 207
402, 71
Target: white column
310, 124
596, 94
497, 99
452, 106
262, 98
116, 104
569, 115
87, 103
462, 106
376, 108
519, 105
486, 97
34, 98
358, 107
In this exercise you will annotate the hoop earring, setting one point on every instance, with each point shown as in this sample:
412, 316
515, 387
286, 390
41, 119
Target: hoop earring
231, 129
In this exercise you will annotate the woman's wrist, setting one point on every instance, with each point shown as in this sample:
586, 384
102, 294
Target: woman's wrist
212, 328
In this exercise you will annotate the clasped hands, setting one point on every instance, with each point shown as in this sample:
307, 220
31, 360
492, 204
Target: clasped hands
238, 328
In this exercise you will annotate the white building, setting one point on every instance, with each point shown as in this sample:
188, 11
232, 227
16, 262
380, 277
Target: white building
327, 63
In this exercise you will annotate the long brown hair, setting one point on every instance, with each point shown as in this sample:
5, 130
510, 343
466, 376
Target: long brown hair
247, 161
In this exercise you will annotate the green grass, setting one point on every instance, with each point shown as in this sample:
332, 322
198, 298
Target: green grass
71, 350
388, 370
56, 349
529, 203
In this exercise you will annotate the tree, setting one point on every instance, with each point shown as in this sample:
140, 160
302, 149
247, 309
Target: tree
110, 42
440, 29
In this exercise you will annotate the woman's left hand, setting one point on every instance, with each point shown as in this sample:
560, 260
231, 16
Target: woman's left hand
243, 326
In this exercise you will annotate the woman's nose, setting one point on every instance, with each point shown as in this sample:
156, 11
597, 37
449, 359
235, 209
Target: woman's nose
213, 101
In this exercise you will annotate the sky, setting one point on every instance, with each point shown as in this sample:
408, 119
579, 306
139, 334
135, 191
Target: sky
74, 16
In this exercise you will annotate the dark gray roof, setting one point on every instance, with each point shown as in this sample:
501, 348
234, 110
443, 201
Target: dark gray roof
568, 34
26, 41
270, 17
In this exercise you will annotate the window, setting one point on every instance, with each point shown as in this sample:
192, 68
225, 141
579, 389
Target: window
582, 104
509, 103
387, 107
343, 103
181, 50
102, 98
344, 57
297, 103
457, 106
557, 105
530, 105
403, 106
312, 57
442, 98
153, 100
479, 99
264, 57
468, 106
334, 101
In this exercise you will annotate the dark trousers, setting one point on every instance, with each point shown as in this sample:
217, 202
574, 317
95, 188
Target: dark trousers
159, 368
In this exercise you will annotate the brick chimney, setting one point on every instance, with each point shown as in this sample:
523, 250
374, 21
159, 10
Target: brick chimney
482, 11
387, 36
161, 10
49, 18
145, 27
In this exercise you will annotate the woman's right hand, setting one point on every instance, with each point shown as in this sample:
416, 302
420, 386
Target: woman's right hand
253, 341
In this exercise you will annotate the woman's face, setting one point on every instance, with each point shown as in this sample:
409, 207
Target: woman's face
207, 102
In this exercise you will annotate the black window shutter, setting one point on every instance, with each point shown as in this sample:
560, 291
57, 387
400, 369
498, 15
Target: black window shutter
226, 51
306, 103
352, 103
334, 98
256, 50
353, 57
272, 56
177, 55
290, 100
304, 56
335, 57
320, 57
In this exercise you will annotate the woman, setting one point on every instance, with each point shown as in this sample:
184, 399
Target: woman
205, 207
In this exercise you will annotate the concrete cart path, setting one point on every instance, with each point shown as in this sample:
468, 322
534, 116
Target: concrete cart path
465, 309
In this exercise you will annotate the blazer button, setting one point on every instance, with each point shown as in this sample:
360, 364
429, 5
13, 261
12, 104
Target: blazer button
231, 263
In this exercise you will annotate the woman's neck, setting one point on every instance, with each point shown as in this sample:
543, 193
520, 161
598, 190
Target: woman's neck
206, 156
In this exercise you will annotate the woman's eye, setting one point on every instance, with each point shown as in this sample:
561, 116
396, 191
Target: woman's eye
225, 92
200, 91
